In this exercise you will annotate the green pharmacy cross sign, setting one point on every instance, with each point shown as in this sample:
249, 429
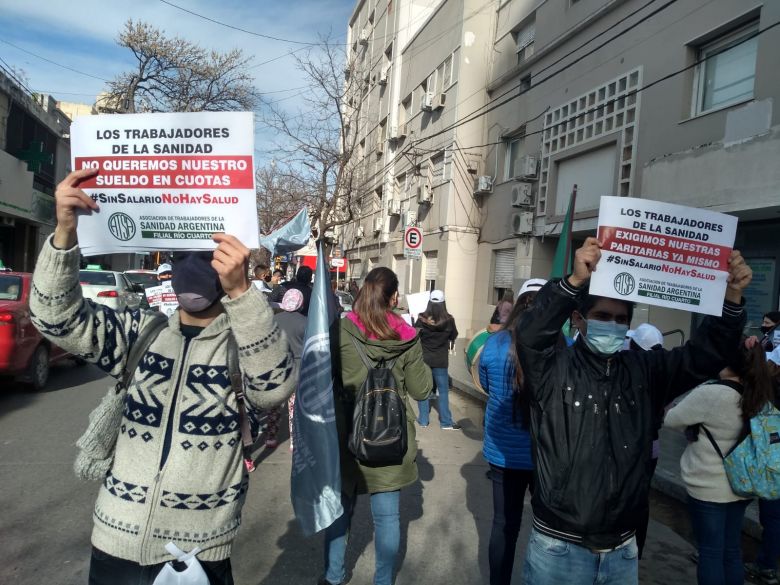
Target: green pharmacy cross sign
35, 157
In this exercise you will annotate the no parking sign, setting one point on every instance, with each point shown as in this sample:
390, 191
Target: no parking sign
413, 239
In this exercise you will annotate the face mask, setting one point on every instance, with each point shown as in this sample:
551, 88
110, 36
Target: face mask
193, 302
765, 329
605, 337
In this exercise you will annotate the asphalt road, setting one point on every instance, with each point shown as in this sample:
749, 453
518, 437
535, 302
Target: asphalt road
46, 512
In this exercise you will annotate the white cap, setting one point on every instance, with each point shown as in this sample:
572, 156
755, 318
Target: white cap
646, 336
437, 296
531, 285
163, 268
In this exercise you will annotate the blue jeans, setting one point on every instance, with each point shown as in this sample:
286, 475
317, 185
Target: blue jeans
442, 380
717, 528
549, 561
387, 537
769, 515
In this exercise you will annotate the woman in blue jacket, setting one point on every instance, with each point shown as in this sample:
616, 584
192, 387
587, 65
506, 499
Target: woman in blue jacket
507, 442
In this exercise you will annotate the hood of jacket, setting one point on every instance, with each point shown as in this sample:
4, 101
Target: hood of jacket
376, 349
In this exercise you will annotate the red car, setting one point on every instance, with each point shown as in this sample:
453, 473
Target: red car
24, 353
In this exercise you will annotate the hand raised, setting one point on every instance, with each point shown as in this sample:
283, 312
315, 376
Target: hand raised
740, 275
231, 261
585, 261
69, 199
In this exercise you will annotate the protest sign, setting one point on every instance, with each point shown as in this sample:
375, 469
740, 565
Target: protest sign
162, 298
166, 181
663, 254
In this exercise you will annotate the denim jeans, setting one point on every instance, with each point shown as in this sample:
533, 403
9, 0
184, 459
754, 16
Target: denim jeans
442, 380
387, 537
717, 528
550, 561
509, 487
105, 569
769, 515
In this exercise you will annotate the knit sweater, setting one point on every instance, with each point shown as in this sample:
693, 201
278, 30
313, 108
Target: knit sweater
716, 406
190, 488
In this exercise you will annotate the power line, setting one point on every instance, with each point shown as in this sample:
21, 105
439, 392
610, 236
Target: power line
230, 26
53, 62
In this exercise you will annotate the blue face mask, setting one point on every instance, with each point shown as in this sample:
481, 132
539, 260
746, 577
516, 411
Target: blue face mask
605, 337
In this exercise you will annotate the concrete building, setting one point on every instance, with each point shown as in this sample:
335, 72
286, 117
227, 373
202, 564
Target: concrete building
31, 129
621, 99
427, 64
74, 109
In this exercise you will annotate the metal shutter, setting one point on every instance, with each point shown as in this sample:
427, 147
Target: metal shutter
431, 266
526, 35
505, 268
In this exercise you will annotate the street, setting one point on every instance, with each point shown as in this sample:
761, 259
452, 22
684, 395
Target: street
445, 517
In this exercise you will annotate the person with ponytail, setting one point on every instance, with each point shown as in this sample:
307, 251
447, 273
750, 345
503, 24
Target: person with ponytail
384, 337
507, 442
437, 335
724, 408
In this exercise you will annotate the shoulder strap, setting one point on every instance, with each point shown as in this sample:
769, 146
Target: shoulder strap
146, 337
237, 384
712, 441
368, 362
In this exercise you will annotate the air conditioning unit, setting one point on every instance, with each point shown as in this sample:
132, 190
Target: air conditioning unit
393, 207
360, 232
380, 148
426, 104
522, 195
526, 167
439, 100
379, 223
424, 194
483, 184
363, 39
393, 133
384, 74
347, 121
403, 130
523, 223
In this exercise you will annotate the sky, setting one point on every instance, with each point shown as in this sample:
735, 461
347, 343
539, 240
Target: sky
81, 34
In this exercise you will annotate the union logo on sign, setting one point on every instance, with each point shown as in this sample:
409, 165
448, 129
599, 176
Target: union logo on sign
121, 226
624, 283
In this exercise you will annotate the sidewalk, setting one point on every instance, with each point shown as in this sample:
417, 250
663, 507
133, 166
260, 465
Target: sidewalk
667, 478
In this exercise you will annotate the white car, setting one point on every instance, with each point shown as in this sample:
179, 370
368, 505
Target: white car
109, 288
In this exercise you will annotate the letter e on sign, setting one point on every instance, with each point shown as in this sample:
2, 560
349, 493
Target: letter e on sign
413, 240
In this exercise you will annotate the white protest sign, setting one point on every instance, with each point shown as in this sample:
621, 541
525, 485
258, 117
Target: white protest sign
162, 298
417, 303
663, 254
166, 181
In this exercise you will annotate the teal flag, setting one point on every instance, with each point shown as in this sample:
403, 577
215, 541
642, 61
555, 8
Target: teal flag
315, 483
292, 236
562, 261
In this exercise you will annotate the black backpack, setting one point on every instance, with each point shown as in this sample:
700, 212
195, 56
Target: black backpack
379, 435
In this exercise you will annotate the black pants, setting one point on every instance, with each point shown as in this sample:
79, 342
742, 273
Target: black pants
107, 570
644, 519
509, 487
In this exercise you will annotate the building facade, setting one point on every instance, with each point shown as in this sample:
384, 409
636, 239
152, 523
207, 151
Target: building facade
667, 101
34, 157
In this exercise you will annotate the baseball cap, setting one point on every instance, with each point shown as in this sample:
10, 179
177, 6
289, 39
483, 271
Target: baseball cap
292, 300
163, 268
531, 285
646, 336
437, 296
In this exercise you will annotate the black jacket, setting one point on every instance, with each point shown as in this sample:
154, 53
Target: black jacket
592, 416
436, 341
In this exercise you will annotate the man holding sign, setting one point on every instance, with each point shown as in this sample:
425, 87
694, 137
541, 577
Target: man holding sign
593, 408
174, 471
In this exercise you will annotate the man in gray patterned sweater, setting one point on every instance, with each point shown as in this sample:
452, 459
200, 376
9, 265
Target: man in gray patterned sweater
178, 472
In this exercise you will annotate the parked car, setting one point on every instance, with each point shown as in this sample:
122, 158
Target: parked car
141, 280
109, 288
24, 353
345, 300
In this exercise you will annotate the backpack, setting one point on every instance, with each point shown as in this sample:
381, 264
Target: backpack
753, 463
379, 435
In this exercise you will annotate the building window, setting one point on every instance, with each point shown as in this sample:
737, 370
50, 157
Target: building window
406, 110
436, 167
503, 273
524, 37
728, 74
431, 270
513, 148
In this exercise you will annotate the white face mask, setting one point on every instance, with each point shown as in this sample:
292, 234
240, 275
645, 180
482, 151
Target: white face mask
605, 337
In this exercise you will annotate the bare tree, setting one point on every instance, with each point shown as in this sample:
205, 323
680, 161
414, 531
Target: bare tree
281, 194
318, 144
176, 75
